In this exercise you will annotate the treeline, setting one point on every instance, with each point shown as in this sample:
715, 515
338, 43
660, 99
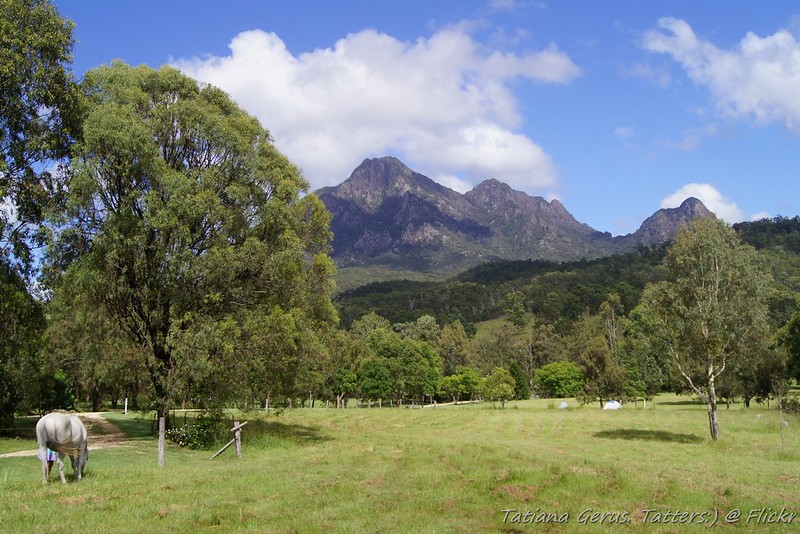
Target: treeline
185, 265
558, 293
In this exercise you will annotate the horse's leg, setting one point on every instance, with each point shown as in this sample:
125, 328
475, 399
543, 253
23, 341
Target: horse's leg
82, 455
60, 460
43, 456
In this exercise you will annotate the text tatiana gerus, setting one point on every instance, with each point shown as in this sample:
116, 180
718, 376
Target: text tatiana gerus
590, 516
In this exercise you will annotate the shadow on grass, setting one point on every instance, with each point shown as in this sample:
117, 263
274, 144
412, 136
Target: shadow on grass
135, 426
298, 434
682, 403
649, 435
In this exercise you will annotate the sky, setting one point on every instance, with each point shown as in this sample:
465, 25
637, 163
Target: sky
616, 108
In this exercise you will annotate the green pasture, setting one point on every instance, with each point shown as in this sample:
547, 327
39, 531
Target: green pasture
449, 469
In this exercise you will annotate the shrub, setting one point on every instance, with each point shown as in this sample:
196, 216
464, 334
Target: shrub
559, 379
199, 434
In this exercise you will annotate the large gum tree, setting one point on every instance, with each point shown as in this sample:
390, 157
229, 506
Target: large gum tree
189, 228
39, 118
712, 310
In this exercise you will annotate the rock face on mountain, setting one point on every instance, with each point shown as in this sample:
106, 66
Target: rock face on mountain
387, 215
665, 223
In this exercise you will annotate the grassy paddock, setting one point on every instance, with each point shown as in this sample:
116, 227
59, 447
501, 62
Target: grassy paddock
452, 469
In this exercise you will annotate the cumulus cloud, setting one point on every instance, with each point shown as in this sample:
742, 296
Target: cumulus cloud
760, 215
757, 80
441, 103
722, 207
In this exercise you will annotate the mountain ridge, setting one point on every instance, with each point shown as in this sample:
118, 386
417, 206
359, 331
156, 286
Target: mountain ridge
387, 217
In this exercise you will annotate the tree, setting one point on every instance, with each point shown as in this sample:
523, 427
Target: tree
522, 388
611, 312
453, 346
423, 329
604, 377
452, 386
22, 324
543, 346
39, 117
644, 358
368, 323
789, 338
499, 386
471, 381
189, 229
413, 367
559, 379
514, 308
374, 379
712, 307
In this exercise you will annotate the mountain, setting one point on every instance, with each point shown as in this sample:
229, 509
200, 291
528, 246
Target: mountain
389, 221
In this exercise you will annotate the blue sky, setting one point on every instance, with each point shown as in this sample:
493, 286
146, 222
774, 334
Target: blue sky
617, 108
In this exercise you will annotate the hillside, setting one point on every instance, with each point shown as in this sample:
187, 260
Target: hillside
562, 291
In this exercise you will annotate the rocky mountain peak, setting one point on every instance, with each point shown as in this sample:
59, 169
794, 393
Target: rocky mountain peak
377, 179
387, 216
665, 223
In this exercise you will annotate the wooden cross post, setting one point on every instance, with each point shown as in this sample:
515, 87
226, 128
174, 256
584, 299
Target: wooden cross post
237, 438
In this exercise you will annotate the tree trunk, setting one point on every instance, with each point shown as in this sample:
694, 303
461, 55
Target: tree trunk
713, 423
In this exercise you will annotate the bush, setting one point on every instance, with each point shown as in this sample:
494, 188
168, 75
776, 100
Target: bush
559, 379
199, 434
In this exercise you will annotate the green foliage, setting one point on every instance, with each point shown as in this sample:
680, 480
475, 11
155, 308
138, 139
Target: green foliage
789, 337
605, 379
712, 312
423, 329
188, 228
374, 379
499, 386
412, 369
22, 324
522, 388
514, 308
200, 433
452, 387
39, 117
643, 355
453, 346
558, 293
559, 379
779, 232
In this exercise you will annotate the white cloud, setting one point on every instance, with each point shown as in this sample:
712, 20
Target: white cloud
693, 137
722, 207
624, 132
441, 103
758, 80
760, 215
453, 182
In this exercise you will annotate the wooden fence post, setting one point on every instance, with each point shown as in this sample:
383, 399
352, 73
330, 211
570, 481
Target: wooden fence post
237, 435
161, 436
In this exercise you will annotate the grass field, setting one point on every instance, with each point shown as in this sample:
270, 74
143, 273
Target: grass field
450, 469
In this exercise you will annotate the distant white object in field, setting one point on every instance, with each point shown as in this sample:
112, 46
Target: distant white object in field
612, 405
563, 405
65, 434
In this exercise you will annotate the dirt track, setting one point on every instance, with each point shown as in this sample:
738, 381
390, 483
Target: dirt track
102, 433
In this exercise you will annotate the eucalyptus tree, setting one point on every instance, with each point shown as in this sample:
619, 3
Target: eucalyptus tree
712, 309
190, 229
38, 117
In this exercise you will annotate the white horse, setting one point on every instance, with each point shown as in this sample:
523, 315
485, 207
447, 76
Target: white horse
65, 434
